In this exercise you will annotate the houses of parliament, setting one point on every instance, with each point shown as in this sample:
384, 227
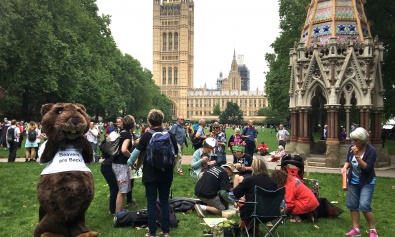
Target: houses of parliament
173, 68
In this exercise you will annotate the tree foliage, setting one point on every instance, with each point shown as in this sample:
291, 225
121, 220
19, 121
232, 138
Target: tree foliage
63, 51
217, 110
292, 15
381, 14
232, 114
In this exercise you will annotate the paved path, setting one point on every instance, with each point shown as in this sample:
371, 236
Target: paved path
381, 172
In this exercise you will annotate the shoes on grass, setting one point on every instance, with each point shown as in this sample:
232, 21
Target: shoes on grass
354, 232
199, 210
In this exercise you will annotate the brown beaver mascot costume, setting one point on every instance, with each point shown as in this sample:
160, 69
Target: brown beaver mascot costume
66, 186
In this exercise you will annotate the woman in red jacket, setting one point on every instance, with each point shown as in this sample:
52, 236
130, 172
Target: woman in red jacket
298, 197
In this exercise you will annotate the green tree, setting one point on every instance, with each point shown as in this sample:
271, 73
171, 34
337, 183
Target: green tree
217, 110
382, 16
292, 15
232, 114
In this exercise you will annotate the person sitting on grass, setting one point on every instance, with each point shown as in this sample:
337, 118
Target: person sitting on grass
213, 189
201, 158
263, 149
242, 162
277, 155
299, 199
260, 177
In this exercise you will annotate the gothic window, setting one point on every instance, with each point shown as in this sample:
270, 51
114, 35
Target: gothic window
175, 75
164, 41
170, 41
164, 76
170, 72
176, 41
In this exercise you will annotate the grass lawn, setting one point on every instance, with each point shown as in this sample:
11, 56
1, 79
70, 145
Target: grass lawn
19, 206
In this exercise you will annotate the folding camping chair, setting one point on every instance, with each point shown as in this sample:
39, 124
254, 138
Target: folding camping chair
267, 208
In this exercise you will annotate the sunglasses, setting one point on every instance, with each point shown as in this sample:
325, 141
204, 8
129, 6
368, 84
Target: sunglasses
181, 119
215, 127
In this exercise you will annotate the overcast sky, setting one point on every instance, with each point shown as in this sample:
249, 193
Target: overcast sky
221, 26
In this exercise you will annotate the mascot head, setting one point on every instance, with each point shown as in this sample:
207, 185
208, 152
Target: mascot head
64, 120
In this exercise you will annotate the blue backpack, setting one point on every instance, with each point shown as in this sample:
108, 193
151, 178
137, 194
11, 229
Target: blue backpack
160, 151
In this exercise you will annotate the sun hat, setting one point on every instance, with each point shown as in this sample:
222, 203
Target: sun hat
232, 167
209, 142
238, 148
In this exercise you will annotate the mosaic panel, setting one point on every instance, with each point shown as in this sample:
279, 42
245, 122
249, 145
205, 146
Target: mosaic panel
365, 31
344, 38
360, 12
343, 3
324, 4
309, 16
321, 39
346, 29
345, 13
323, 14
321, 29
304, 36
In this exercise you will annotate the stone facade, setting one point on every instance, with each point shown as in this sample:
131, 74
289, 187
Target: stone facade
173, 67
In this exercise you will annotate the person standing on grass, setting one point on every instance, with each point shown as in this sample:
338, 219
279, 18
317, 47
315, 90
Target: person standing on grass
31, 145
282, 136
119, 164
12, 139
361, 180
109, 175
179, 132
200, 135
156, 181
92, 136
249, 136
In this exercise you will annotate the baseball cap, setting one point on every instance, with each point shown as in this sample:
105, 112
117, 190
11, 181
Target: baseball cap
210, 142
232, 167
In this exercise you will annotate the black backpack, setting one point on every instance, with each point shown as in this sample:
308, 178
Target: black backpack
32, 135
160, 151
196, 142
172, 217
11, 134
131, 218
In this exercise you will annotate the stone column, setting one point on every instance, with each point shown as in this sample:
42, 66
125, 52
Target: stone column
364, 117
290, 148
375, 136
332, 140
347, 109
303, 147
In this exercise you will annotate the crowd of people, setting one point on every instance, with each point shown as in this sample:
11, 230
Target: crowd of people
220, 185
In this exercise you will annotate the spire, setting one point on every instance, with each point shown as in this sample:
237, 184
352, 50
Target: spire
338, 19
234, 54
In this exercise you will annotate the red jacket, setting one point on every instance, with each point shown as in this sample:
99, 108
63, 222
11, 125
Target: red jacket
298, 197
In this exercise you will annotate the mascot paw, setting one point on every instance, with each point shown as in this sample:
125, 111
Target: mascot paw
49, 234
88, 234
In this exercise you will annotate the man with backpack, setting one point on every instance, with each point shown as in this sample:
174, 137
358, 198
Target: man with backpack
12, 138
199, 135
160, 148
179, 132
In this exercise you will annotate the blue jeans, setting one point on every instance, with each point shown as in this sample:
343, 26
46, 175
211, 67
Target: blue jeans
161, 187
359, 197
94, 147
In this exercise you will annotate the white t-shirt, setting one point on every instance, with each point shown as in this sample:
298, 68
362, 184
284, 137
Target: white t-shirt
67, 158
